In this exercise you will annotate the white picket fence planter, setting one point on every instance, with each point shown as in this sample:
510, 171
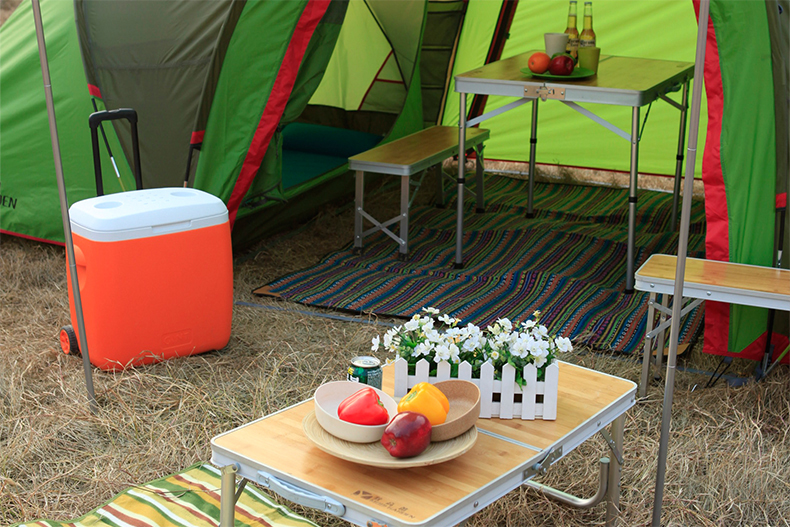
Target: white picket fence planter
513, 401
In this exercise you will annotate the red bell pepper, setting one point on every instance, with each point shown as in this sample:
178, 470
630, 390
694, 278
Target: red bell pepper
363, 408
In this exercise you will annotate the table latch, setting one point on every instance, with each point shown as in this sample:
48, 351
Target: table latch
544, 92
612, 445
541, 467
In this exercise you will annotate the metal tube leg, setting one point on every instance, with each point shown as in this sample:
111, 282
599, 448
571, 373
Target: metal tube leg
227, 500
533, 143
404, 216
615, 470
358, 204
661, 336
629, 275
651, 313
479, 170
679, 164
459, 231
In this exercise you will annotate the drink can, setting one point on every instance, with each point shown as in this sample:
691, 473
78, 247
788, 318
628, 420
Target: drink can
365, 370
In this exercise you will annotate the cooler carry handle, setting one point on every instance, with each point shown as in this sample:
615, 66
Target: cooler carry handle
95, 120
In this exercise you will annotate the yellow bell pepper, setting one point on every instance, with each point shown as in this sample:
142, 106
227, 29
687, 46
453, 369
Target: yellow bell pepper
428, 400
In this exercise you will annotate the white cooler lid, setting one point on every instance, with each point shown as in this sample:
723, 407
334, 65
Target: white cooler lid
146, 213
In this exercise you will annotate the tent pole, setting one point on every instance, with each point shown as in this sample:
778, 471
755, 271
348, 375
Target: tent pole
64, 204
685, 219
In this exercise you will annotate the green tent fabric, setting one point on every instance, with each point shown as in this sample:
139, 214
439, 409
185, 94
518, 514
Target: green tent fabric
29, 203
745, 159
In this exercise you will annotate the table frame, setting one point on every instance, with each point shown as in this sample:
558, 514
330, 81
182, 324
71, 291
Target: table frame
501, 432
609, 87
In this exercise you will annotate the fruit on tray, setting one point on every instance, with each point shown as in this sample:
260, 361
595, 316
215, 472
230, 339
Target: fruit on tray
426, 399
539, 62
561, 65
575, 59
363, 408
407, 435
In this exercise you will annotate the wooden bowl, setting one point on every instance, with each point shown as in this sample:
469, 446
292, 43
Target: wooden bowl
464, 397
328, 397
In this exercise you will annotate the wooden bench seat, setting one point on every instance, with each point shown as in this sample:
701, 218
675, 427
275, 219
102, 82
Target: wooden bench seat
733, 283
405, 157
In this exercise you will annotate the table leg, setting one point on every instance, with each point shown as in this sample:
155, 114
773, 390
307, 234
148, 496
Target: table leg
360, 190
629, 276
613, 490
227, 500
533, 143
681, 148
459, 230
404, 216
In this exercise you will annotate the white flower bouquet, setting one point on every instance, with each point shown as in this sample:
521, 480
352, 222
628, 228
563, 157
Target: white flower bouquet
438, 338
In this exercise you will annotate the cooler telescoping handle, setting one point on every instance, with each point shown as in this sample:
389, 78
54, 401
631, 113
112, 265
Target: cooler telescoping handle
95, 120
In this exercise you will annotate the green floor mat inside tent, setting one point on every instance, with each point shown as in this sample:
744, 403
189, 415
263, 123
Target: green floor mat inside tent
190, 497
310, 150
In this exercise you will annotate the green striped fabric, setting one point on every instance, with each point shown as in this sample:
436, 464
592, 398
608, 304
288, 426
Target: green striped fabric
190, 498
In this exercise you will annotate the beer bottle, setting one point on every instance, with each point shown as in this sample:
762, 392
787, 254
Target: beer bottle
587, 37
573, 33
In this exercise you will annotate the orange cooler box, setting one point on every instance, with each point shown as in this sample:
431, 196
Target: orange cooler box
155, 272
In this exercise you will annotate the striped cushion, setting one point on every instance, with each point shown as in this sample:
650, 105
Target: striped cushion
188, 499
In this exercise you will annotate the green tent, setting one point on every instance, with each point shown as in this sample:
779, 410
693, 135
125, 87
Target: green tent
258, 117
261, 102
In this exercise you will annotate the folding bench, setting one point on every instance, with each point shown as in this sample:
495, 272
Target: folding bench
733, 283
406, 157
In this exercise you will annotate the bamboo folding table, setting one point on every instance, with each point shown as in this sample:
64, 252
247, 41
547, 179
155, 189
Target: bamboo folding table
274, 452
620, 81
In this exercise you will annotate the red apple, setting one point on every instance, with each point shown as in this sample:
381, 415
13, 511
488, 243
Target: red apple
407, 435
561, 65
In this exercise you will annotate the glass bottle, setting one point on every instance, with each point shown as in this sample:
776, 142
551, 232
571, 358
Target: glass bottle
573, 33
587, 37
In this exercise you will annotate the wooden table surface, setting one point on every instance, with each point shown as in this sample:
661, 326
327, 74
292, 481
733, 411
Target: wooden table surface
713, 273
614, 72
277, 443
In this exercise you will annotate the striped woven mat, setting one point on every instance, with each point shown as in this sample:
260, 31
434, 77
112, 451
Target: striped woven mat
569, 262
189, 498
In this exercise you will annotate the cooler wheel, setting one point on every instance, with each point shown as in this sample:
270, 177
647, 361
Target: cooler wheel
68, 341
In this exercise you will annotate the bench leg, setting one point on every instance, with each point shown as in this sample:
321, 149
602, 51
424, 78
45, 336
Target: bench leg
479, 169
651, 313
403, 250
661, 335
358, 208
439, 185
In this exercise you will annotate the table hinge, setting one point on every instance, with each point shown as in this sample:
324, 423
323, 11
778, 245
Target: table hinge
542, 466
544, 92
612, 445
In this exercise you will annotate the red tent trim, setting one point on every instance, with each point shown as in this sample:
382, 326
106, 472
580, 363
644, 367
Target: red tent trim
272, 113
717, 240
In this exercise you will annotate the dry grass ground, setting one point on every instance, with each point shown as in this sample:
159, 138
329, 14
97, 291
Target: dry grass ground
729, 457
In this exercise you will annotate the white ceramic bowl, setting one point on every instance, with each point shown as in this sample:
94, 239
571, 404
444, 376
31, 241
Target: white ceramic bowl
329, 396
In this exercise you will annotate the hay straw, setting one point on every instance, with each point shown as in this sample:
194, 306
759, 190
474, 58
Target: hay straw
729, 456
729, 453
